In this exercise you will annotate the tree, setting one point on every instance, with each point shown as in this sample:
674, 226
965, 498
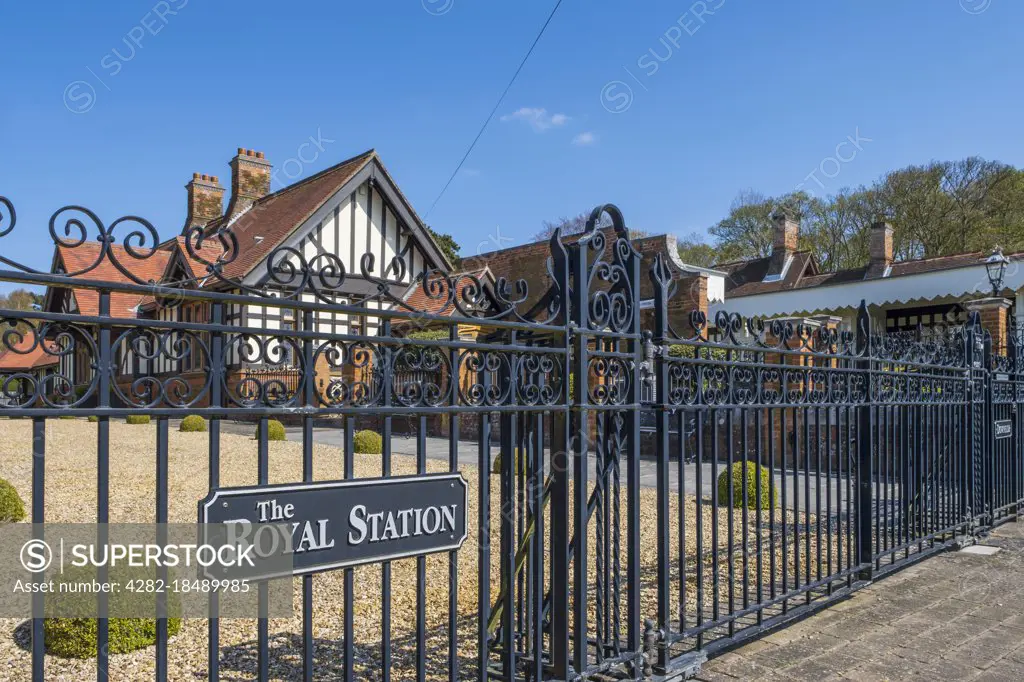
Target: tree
19, 299
449, 247
577, 224
573, 225
693, 250
936, 209
747, 231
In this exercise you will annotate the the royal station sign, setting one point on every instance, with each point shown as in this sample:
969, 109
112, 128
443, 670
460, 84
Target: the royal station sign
309, 527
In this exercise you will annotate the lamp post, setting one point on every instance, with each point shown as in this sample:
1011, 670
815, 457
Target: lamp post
995, 266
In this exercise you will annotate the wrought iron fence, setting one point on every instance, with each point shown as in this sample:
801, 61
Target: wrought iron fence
870, 451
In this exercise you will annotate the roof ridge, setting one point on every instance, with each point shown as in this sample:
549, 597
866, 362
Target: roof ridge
316, 176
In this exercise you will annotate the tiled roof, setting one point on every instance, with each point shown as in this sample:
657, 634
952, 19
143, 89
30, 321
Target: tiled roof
418, 300
13, 360
210, 250
121, 304
275, 216
745, 278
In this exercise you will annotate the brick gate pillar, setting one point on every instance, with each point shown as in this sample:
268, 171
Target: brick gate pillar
995, 314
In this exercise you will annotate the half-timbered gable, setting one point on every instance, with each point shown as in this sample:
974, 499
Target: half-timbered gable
348, 229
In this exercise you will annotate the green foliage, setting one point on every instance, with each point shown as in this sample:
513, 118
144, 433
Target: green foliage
368, 443
76, 637
12, 508
137, 419
447, 244
936, 209
67, 416
746, 474
275, 430
193, 423
93, 419
693, 250
429, 335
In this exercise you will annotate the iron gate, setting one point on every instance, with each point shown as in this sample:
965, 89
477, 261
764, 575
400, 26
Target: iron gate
875, 450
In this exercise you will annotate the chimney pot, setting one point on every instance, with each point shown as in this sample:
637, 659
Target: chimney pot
259, 155
195, 176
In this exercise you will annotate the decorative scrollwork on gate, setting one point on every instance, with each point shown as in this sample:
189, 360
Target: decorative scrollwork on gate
611, 298
272, 372
344, 374
153, 362
54, 384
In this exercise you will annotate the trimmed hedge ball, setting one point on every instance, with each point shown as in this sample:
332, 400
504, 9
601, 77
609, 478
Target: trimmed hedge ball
137, 419
76, 637
368, 443
745, 475
193, 423
12, 508
275, 430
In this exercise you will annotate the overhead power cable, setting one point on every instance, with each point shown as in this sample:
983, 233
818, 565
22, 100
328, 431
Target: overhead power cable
497, 104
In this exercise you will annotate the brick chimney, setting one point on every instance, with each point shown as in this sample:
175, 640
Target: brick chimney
880, 251
250, 180
205, 200
784, 239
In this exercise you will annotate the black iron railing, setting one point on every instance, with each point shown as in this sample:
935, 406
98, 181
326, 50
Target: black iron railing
863, 451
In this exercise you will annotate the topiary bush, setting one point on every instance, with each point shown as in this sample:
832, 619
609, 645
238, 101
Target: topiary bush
746, 474
275, 430
368, 443
137, 419
12, 508
193, 423
69, 637
76, 637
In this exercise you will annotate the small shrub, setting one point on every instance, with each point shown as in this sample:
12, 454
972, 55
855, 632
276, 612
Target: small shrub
368, 443
137, 419
193, 423
93, 418
76, 637
275, 430
745, 475
73, 637
67, 416
12, 508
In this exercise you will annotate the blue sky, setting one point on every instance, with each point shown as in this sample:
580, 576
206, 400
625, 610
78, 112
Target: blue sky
644, 104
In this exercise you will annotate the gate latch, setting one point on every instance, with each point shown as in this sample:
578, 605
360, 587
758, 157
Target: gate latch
647, 365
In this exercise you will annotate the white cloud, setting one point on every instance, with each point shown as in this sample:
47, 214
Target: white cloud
584, 139
536, 118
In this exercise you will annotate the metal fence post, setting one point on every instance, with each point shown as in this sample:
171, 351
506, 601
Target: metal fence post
559, 514
865, 473
987, 454
661, 278
580, 443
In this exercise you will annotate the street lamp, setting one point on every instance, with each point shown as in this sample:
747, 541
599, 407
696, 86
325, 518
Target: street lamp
995, 266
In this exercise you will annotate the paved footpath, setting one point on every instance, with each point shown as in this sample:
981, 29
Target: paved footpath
955, 616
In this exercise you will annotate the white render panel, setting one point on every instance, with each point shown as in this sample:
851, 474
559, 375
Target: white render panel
884, 291
359, 238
